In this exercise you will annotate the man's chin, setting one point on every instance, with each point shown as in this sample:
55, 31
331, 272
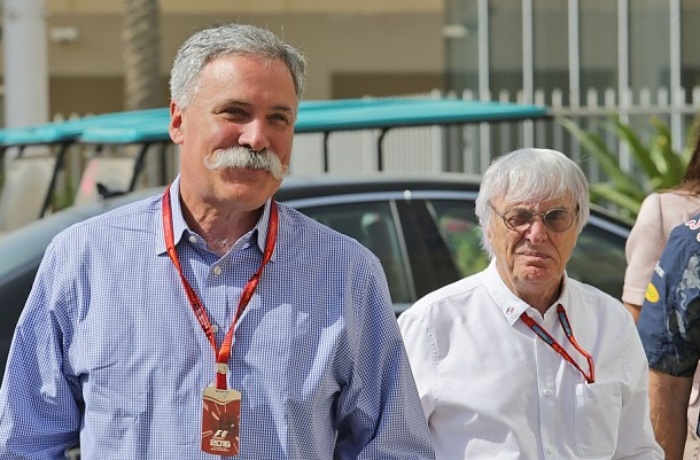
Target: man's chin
540, 274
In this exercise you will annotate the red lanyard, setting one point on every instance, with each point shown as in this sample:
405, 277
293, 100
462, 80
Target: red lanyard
224, 353
544, 335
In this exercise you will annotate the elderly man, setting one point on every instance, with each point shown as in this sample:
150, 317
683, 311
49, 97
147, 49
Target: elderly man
210, 321
520, 361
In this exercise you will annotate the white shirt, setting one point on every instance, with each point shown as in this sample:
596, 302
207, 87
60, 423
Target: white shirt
492, 389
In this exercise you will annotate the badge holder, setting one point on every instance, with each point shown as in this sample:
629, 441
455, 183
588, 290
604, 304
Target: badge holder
221, 420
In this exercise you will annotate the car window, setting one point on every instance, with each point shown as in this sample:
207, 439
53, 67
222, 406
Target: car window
431, 261
599, 259
374, 226
462, 234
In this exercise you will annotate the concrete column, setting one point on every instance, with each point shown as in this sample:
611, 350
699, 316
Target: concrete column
26, 76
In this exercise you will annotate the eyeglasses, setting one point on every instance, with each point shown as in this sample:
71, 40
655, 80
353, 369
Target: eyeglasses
520, 219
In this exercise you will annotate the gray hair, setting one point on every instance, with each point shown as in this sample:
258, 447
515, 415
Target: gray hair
531, 175
224, 40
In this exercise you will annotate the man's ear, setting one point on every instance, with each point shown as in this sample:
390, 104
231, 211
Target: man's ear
175, 127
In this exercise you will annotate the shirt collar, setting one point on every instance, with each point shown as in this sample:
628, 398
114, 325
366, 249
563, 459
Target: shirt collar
179, 224
511, 305
261, 229
180, 228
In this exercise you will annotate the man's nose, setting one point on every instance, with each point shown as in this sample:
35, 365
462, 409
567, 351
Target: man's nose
254, 136
537, 232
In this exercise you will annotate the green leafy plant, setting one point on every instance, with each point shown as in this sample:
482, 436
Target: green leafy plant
660, 167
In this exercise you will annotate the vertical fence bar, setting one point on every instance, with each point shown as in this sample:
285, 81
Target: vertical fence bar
483, 47
528, 67
484, 83
540, 128
623, 75
557, 106
574, 53
677, 93
592, 106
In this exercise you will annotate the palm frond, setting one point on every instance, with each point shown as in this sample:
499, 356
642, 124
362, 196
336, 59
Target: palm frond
661, 167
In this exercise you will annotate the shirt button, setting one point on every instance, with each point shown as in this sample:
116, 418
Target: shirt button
193, 239
550, 450
217, 270
547, 393
214, 328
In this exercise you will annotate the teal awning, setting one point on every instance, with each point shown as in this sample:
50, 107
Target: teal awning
147, 126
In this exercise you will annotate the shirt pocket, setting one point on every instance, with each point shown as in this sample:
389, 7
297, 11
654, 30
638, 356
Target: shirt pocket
114, 419
597, 418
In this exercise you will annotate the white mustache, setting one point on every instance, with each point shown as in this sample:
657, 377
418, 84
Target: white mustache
244, 158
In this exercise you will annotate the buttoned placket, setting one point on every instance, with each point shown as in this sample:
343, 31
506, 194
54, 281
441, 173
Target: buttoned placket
547, 365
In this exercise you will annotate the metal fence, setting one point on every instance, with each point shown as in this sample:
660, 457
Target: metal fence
471, 148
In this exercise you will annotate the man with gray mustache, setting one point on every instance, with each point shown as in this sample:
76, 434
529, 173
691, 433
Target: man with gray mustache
245, 158
210, 321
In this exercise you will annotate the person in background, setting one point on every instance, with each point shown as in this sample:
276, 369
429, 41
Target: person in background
669, 326
521, 361
211, 321
659, 213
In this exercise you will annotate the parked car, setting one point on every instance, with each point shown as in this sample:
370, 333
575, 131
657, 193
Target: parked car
423, 230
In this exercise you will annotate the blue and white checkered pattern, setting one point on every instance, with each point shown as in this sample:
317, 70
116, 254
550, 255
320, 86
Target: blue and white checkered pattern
108, 350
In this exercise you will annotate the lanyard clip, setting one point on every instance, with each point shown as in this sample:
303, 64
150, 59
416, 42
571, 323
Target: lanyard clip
222, 368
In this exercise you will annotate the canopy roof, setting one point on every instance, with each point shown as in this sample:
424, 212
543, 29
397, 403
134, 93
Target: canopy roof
148, 126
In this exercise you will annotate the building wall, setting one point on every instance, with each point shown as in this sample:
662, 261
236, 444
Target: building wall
253, 6
354, 48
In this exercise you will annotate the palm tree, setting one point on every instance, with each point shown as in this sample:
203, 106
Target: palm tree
142, 81
141, 39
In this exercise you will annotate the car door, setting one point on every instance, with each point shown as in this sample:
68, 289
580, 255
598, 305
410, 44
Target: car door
403, 233
428, 239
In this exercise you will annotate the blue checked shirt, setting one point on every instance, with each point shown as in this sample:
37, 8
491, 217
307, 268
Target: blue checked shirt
109, 353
